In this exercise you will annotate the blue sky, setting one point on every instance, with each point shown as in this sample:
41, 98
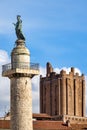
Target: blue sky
55, 30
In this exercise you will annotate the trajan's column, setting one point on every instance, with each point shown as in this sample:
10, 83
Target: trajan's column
20, 72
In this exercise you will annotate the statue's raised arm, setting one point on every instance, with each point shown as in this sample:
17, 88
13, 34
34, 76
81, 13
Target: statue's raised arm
18, 28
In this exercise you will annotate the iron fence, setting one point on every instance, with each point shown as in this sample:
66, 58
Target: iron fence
21, 65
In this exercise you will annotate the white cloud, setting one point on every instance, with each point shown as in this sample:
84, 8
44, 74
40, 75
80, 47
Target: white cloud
4, 84
57, 70
35, 94
35, 90
4, 58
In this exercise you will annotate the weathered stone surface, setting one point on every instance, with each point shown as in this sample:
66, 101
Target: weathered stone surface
62, 94
21, 95
21, 98
21, 103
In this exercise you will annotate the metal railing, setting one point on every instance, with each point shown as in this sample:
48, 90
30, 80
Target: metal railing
21, 65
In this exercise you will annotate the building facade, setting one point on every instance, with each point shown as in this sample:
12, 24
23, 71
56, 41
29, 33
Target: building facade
62, 94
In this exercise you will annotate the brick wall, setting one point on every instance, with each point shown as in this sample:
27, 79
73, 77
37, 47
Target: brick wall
5, 124
62, 94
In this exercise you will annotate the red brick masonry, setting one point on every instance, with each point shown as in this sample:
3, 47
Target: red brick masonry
47, 125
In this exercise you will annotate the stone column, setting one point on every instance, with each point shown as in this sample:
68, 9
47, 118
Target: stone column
21, 99
53, 97
58, 97
83, 100
63, 92
20, 72
67, 102
21, 103
75, 96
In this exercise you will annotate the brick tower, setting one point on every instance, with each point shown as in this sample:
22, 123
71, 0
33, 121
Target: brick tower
62, 94
20, 73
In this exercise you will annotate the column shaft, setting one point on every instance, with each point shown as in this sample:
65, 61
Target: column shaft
83, 100
63, 95
75, 105
21, 103
58, 98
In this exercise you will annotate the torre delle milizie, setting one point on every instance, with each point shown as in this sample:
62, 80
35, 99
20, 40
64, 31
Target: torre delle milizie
62, 96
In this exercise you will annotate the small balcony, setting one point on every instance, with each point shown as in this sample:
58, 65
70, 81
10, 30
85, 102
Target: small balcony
22, 67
